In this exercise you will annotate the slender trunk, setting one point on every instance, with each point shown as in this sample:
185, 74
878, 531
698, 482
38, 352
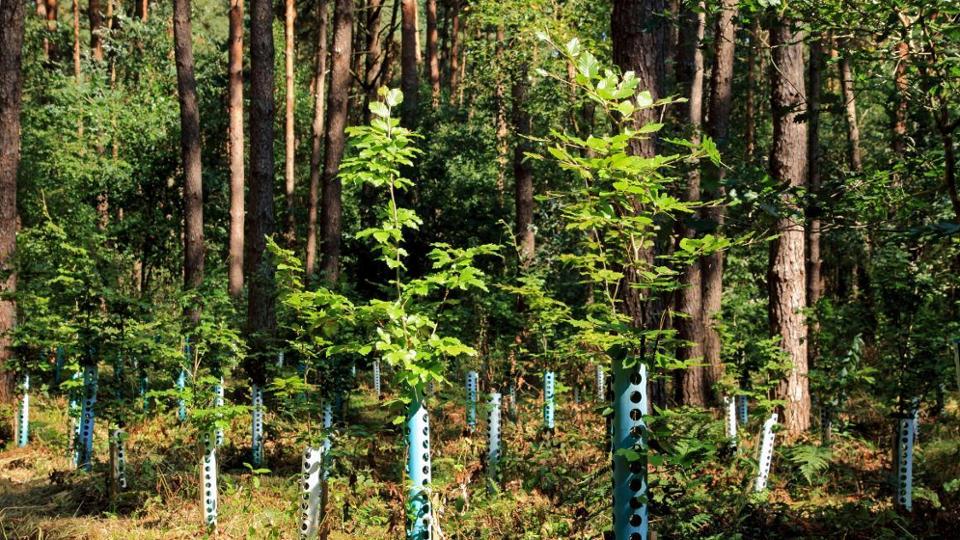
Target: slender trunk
750, 107
786, 274
193, 249
454, 48
850, 110
235, 147
50, 15
814, 261
337, 111
433, 61
141, 9
691, 389
96, 21
260, 223
409, 82
718, 128
290, 228
11, 89
374, 56
316, 150
76, 42
522, 172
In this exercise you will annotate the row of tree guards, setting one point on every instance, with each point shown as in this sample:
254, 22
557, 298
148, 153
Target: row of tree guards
628, 431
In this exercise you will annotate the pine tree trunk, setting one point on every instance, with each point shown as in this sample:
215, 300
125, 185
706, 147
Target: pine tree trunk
691, 389
750, 107
814, 261
260, 221
96, 21
235, 148
316, 150
786, 272
76, 41
522, 172
141, 9
193, 249
374, 57
850, 111
338, 105
290, 226
454, 48
718, 128
11, 89
409, 81
433, 61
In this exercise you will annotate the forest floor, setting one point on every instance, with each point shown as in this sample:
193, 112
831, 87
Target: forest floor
554, 486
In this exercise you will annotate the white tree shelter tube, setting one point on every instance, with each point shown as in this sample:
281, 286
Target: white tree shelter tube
310, 496
766, 453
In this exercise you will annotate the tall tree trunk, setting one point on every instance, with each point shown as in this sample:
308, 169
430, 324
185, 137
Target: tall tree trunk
290, 228
338, 105
814, 261
454, 49
750, 107
316, 150
522, 172
850, 110
235, 148
50, 15
260, 222
77, 74
718, 128
96, 21
691, 389
786, 273
193, 249
11, 89
639, 42
141, 9
374, 56
409, 81
433, 60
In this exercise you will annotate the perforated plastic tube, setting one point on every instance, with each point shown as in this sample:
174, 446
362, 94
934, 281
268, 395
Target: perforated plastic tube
310, 492
906, 433
418, 471
218, 402
210, 491
766, 453
120, 458
182, 382
87, 416
730, 406
630, 514
472, 386
743, 414
376, 379
257, 427
601, 383
493, 437
23, 419
549, 405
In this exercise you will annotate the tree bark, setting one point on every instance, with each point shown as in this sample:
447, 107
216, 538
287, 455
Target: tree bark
260, 222
850, 111
409, 82
11, 89
718, 128
454, 49
690, 388
522, 172
77, 74
141, 9
235, 148
750, 107
813, 210
316, 150
49, 14
433, 60
290, 227
374, 56
96, 21
193, 249
338, 105
786, 272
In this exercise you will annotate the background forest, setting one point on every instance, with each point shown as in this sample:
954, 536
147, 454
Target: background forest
468, 269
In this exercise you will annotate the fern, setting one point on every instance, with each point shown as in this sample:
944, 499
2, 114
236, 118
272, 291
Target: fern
811, 460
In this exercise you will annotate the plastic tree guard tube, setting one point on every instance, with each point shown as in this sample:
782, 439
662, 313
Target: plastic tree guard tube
743, 414
23, 419
472, 386
630, 514
730, 408
766, 453
182, 382
376, 379
549, 405
210, 492
601, 383
257, 427
75, 409
310, 494
119, 459
327, 438
418, 471
493, 437
906, 428
87, 415
218, 402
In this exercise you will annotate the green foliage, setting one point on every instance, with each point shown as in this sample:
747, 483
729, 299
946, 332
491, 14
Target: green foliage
811, 461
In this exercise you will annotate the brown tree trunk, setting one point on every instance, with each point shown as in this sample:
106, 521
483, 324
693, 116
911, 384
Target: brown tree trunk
433, 60
814, 261
11, 89
260, 222
193, 249
235, 148
316, 150
96, 21
850, 111
48, 13
76, 41
338, 105
691, 389
718, 128
786, 273
454, 49
374, 56
141, 9
750, 107
409, 81
522, 172
290, 227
